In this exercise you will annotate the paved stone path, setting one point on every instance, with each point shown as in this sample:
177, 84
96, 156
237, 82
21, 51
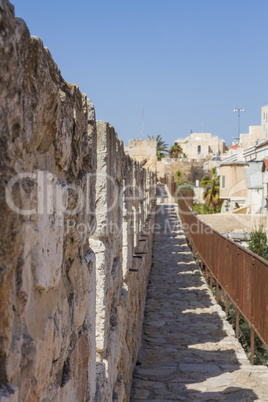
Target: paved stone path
189, 350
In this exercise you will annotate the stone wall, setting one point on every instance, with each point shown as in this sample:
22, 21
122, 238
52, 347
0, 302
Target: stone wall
143, 151
74, 209
124, 199
250, 139
190, 170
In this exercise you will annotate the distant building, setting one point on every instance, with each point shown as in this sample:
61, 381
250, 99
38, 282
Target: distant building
233, 182
241, 178
265, 181
255, 135
264, 121
250, 139
201, 145
243, 173
258, 152
241, 186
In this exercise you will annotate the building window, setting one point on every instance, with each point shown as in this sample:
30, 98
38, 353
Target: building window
199, 149
222, 182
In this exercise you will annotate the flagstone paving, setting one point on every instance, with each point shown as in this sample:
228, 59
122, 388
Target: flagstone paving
189, 350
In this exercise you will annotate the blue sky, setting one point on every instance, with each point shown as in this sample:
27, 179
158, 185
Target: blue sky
188, 63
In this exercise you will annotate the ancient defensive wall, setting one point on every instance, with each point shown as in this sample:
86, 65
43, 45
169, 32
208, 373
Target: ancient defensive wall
75, 238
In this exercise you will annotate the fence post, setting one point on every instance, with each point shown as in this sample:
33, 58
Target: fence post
217, 291
237, 322
213, 252
226, 305
252, 341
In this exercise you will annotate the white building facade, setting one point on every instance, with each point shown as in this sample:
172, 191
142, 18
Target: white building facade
201, 145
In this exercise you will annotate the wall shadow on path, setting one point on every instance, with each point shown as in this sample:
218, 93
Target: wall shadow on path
188, 352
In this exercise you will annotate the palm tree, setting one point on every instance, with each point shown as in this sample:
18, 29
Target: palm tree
175, 150
212, 193
205, 181
161, 146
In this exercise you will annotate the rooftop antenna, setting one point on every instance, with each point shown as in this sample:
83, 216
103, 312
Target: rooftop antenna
238, 110
142, 124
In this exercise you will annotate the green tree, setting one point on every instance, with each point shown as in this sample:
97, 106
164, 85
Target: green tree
178, 177
204, 182
212, 193
258, 242
161, 146
175, 150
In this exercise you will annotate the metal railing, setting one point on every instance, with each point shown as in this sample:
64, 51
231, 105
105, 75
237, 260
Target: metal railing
169, 181
242, 274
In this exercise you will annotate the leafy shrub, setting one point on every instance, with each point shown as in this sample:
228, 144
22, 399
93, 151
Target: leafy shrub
202, 209
178, 177
258, 242
184, 187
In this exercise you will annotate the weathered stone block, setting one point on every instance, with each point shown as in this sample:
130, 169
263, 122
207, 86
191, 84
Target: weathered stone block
64, 263
47, 283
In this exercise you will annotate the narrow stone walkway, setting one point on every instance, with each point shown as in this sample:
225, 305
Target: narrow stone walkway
189, 350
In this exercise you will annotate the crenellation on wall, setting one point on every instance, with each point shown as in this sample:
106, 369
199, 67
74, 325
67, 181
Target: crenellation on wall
122, 210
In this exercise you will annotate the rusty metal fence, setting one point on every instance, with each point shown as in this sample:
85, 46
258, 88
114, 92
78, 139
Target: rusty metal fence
169, 181
242, 274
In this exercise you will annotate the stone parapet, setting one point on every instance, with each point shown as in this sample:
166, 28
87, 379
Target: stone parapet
191, 170
73, 210
124, 199
143, 151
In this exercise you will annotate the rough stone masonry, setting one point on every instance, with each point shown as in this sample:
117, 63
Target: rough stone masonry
73, 211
